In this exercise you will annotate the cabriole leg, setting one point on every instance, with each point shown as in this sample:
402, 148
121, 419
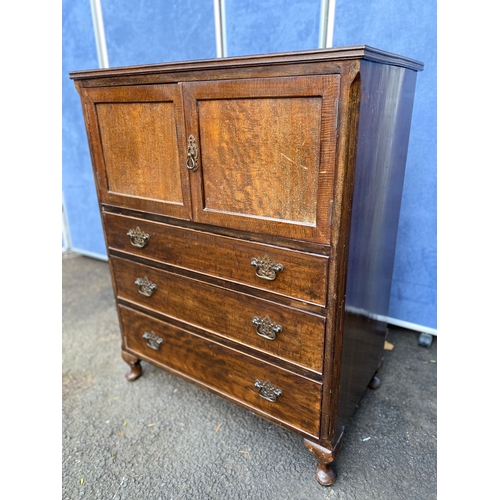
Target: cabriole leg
135, 366
325, 474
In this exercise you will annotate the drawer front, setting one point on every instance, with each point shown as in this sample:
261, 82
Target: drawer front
226, 371
295, 274
298, 336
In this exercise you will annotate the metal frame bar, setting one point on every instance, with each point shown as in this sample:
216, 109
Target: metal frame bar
93, 255
412, 326
99, 34
326, 23
392, 321
65, 229
220, 28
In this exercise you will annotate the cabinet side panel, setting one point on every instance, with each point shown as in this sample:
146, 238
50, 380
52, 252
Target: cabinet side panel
383, 134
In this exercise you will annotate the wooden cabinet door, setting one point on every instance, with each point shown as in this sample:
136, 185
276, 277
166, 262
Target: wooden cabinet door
266, 153
137, 142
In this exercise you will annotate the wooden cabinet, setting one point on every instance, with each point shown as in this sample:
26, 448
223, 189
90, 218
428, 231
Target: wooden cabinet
250, 208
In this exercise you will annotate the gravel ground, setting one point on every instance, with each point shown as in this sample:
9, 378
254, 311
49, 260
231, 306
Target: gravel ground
162, 438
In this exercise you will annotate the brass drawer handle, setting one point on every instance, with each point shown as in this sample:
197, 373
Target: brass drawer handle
268, 391
266, 328
192, 154
138, 238
152, 340
145, 286
266, 268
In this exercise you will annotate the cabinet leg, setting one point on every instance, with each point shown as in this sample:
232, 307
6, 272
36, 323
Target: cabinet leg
375, 383
135, 366
325, 474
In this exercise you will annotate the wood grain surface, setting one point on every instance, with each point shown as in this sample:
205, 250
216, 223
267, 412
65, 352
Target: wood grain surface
267, 154
138, 147
225, 371
303, 276
225, 313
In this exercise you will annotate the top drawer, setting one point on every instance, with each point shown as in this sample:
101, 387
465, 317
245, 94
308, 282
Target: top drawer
287, 272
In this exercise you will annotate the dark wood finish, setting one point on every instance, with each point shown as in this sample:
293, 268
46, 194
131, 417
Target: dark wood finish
229, 258
378, 184
224, 312
255, 200
279, 64
325, 473
225, 371
375, 383
300, 245
135, 366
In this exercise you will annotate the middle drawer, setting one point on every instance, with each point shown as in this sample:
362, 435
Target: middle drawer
281, 331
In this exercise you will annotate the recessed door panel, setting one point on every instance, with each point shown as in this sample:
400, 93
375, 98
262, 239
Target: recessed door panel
266, 153
138, 137
263, 157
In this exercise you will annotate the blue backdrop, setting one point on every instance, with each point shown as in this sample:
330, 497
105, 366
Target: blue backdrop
407, 27
79, 51
140, 32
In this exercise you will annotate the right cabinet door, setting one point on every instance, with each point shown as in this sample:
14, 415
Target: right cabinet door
266, 153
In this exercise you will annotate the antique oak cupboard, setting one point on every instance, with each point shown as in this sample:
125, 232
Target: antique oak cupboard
250, 207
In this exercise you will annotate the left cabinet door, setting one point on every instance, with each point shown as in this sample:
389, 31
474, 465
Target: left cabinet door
137, 143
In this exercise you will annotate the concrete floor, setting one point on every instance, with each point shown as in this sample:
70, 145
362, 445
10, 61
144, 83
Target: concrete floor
163, 438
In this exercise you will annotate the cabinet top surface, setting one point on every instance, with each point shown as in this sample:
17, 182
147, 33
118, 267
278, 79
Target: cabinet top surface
356, 52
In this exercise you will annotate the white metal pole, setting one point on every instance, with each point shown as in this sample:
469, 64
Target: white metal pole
220, 27
99, 35
326, 23
65, 229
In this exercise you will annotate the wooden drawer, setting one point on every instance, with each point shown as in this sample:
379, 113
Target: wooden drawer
223, 370
303, 275
224, 312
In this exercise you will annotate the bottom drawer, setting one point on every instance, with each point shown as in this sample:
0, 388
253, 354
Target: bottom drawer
237, 376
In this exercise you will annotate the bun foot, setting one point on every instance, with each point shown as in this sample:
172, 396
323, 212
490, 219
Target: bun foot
374, 384
325, 474
135, 367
